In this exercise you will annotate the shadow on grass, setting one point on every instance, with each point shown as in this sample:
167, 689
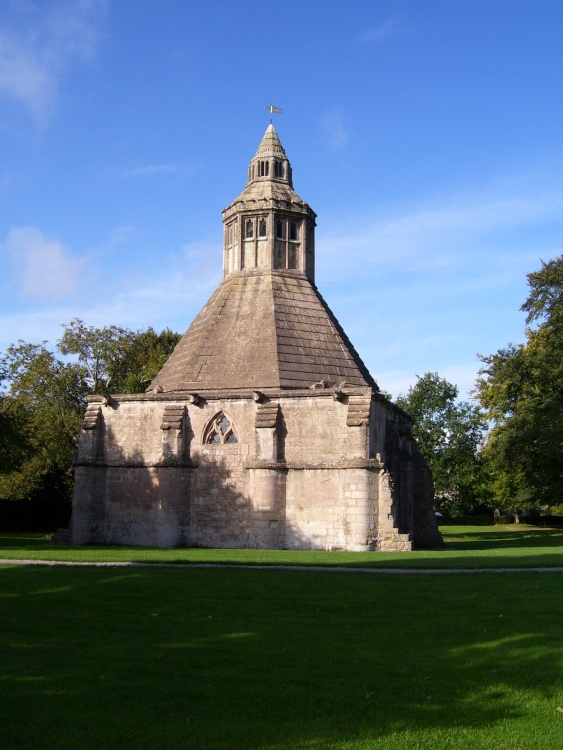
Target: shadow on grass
197, 659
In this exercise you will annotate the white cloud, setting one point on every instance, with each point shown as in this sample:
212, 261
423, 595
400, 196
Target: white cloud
169, 296
335, 133
379, 33
38, 42
44, 268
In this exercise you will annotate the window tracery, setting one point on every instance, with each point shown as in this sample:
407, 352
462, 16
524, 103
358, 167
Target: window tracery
220, 431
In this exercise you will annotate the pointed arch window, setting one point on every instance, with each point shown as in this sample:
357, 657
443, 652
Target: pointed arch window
262, 228
220, 431
249, 229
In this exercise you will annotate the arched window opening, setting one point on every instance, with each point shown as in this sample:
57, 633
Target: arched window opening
293, 231
220, 431
267, 168
262, 228
279, 229
249, 229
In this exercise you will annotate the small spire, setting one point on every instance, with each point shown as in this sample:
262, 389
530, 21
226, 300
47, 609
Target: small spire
270, 162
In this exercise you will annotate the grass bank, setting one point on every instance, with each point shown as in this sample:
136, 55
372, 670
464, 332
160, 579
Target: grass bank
274, 660
466, 547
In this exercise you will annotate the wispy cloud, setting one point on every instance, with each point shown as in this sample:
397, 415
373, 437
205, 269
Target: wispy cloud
170, 294
380, 33
44, 268
38, 43
334, 130
435, 236
427, 287
152, 169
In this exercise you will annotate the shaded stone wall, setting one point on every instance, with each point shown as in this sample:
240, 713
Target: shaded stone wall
316, 469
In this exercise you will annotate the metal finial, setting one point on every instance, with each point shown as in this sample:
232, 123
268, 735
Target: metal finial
273, 111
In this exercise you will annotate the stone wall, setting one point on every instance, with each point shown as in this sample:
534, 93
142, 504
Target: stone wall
300, 469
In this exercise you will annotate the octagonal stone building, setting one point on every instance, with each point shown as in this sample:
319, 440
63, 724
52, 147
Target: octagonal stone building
264, 428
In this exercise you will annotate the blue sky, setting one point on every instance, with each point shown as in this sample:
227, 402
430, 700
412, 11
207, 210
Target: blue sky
427, 136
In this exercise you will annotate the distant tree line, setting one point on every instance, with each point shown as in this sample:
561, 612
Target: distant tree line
503, 449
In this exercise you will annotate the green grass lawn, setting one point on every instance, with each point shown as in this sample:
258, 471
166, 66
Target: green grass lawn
272, 659
466, 547
231, 659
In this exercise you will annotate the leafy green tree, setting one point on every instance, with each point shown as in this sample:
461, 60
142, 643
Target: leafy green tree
41, 408
449, 434
521, 389
97, 349
142, 359
116, 359
42, 398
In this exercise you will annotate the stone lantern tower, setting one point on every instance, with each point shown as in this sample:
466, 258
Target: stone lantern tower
268, 227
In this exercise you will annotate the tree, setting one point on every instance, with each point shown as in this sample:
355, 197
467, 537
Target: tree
116, 359
97, 349
521, 389
42, 398
141, 360
449, 434
41, 408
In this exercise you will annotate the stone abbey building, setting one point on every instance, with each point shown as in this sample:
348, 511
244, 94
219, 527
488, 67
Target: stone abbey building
264, 428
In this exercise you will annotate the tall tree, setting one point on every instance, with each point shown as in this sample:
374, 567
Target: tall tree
144, 356
450, 434
42, 397
521, 389
97, 349
41, 407
116, 359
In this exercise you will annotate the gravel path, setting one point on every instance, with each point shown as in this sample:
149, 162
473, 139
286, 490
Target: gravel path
316, 568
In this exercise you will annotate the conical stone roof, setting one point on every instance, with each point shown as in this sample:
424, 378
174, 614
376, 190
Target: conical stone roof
265, 326
263, 331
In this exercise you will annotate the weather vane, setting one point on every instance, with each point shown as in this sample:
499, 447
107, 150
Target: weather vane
273, 111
